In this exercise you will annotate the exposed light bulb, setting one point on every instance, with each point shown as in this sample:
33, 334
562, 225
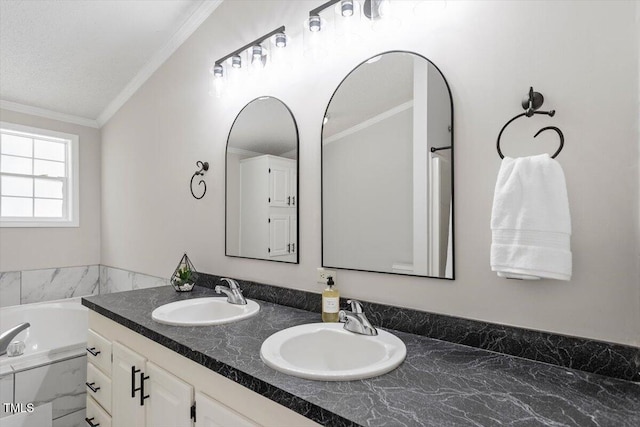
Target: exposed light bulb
315, 23
281, 40
236, 61
256, 53
346, 8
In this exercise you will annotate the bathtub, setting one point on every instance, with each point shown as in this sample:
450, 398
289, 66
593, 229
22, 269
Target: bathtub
52, 370
56, 327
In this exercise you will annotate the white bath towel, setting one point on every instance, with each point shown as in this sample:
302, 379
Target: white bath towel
530, 220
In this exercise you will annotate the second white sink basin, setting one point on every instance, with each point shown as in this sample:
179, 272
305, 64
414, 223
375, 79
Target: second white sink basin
203, 312
328, 352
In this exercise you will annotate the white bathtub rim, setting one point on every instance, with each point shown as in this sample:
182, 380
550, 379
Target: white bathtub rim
9, 365
73, 300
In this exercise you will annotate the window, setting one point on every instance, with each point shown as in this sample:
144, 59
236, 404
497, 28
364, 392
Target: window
38, 177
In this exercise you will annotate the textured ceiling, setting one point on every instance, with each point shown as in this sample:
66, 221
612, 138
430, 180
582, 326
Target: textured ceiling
75, 57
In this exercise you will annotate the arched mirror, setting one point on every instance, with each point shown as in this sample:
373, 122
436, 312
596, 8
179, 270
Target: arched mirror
262, 183
387, 169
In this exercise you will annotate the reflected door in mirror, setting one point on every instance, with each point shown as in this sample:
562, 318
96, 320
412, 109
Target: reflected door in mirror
262, 184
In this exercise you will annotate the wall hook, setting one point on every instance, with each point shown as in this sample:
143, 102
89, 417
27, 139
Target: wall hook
203, 168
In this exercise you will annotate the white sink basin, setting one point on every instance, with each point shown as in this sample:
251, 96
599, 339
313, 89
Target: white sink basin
328, 352
203, 312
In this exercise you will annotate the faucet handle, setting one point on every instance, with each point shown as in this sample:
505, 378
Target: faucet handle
356, 306
232, 283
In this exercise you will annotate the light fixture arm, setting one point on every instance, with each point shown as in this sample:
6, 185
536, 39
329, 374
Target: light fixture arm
248, 45
317, 10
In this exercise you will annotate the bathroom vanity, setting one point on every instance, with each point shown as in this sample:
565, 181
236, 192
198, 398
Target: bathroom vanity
219, 368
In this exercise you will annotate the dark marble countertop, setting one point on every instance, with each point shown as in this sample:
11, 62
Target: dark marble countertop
439, 383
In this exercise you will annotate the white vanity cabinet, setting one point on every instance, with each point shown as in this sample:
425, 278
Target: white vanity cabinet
150, 385
268, 199
126, 370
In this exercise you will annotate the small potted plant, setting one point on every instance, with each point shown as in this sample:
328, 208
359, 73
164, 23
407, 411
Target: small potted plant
185, 275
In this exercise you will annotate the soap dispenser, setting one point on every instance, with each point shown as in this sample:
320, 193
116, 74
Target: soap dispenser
330, 302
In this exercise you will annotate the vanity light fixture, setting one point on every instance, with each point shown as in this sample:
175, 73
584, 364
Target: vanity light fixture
372, 9
255, 51
315, 23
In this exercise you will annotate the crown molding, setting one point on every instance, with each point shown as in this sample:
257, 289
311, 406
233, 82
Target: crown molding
243, 152
48, 114
369, 122
201, 13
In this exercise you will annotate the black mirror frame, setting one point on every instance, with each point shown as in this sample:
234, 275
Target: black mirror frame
295, 126
453, 222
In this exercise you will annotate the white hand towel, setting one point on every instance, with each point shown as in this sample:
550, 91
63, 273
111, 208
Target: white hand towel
530, 220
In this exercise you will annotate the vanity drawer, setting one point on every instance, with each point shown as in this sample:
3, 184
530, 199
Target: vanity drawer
99, 351
96, 416
99, 386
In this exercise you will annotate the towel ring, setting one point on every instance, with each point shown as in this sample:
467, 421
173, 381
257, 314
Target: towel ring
530, 104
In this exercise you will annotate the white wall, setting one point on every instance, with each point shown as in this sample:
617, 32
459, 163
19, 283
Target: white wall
37, 248
583, 56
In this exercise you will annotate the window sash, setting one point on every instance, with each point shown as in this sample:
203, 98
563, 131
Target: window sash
69, 195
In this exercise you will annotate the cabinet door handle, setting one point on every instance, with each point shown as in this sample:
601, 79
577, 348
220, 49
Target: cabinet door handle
289, 200
90, 422
288, 247
91, 387
134, 371
293, 247
142, 395
93, 351
294, 200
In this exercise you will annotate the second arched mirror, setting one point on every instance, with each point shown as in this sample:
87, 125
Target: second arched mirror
262, 183
387, 169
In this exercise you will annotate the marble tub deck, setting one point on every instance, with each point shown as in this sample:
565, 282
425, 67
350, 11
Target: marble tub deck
439, 383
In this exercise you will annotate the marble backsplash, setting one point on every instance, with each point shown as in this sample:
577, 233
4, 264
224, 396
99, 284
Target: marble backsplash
29, 286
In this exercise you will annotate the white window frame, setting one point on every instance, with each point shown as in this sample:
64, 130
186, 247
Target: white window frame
72, 194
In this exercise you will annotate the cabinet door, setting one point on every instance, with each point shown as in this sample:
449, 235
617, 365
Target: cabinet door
279, 186
126, 409
293, 233
211, 413
170, 399
279, 235
293, 186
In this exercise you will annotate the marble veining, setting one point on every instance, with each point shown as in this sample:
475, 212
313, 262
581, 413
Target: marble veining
58, 283
74, 419
9, 288
62, 384
118, 280
614, 360
439, 384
